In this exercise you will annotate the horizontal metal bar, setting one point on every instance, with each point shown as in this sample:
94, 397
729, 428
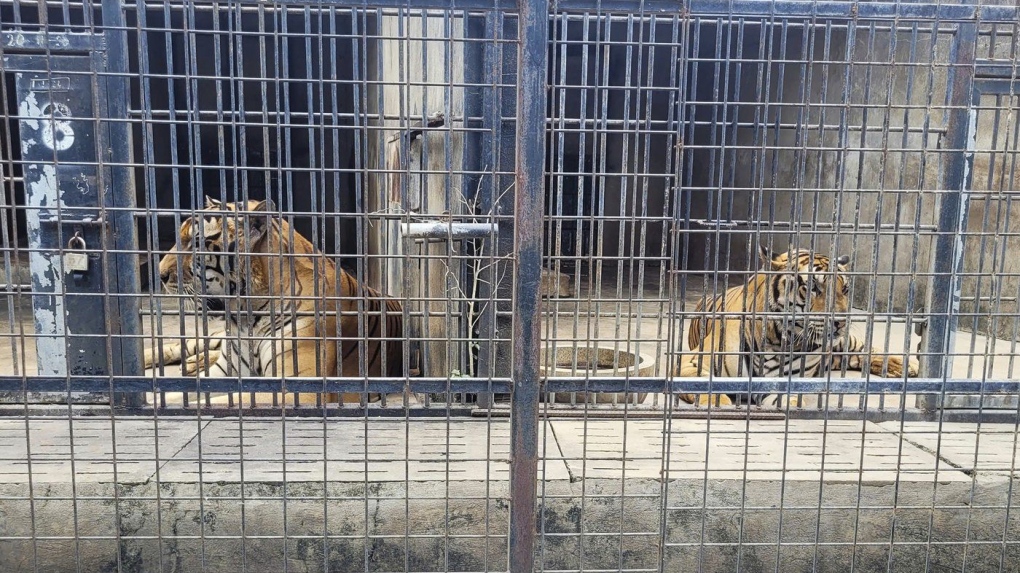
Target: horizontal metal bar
54, 220
371, 410
19, 42
448, 230
639, 9
555, 123
988, 299
589, 411
438, 5
808, 225
841, 9
949, 386
732, 385
120, 384
985, 69
844, 9
631, 413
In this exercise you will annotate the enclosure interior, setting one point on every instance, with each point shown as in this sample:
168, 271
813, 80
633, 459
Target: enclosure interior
687, 142
675, 146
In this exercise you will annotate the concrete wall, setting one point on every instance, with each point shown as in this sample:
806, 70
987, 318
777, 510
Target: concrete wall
871, 192
200, 527
419, 62
991, 286
864, 194
867, 194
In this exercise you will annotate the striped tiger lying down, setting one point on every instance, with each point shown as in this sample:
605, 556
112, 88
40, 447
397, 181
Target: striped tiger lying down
280, 310
789, 320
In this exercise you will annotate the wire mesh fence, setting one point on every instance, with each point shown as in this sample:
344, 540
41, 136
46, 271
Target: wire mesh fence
403, 286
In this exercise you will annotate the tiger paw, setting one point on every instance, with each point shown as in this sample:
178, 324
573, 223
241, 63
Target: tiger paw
705, 399
893, 367
201, 361
791, 402
913, 367
689, 398
719, 399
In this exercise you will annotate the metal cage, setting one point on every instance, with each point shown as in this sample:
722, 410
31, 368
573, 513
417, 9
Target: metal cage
500, 285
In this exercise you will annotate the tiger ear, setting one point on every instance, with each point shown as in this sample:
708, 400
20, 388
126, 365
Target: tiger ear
211, 203
767, 260
764, 255
843, 261
267, 205
259, 222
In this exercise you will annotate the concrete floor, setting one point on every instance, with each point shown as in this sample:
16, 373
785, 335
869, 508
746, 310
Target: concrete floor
136, 450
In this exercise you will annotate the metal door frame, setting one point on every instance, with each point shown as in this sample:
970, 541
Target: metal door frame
109, 227
986, 80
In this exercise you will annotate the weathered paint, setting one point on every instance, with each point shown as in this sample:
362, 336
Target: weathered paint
41, 191
27, 109
56, 133
60, 156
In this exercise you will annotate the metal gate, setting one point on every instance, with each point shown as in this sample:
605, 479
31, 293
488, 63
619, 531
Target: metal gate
552, 194
77, 207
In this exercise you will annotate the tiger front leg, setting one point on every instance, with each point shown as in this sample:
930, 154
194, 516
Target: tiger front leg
193, 348
697, 367
879, 363
168, 354
200, 361
892, 366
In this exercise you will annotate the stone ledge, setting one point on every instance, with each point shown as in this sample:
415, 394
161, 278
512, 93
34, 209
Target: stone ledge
435, 495
130, 450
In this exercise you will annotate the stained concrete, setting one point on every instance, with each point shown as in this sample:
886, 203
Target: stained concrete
433, 495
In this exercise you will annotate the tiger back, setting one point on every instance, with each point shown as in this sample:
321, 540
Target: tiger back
289, 310
789, 319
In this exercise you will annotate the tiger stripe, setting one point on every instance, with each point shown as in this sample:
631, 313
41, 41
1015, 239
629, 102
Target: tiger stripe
242, 259
789, 320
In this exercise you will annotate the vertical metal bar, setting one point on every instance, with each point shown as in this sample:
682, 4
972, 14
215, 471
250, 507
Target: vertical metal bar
473, 59
123, 317
533, 37
493, 356
943, 302
670, 246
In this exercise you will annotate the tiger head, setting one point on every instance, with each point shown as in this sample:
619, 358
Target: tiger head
204, 260
811, 293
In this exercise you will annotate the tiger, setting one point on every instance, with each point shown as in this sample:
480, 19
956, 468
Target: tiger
281, 299
790, 319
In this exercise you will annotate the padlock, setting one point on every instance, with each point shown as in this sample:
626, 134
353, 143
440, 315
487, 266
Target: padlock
75, 259
76, 262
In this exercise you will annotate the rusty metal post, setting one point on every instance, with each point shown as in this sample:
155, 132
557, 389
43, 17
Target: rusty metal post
944, 291
533, 38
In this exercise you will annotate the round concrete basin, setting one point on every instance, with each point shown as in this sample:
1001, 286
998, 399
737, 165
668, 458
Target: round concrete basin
593, 361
